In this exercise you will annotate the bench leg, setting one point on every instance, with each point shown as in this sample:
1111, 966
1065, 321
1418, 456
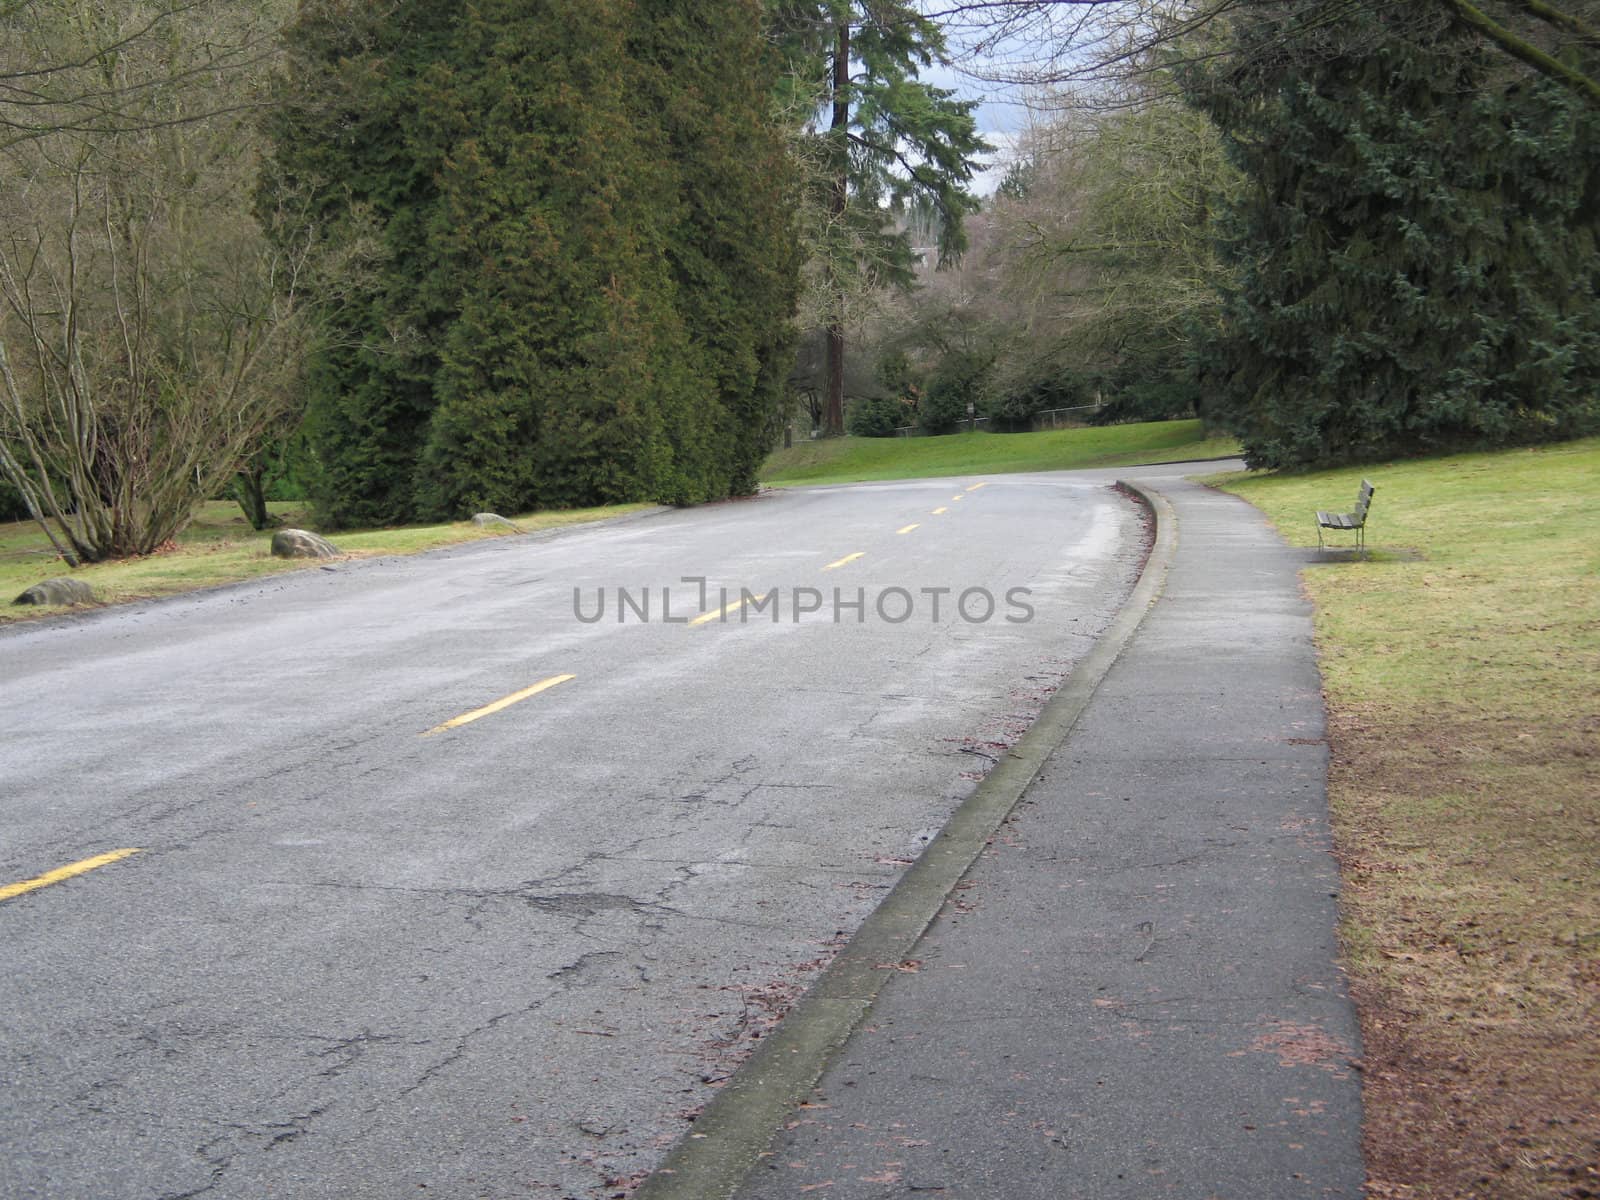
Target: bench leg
1359, 530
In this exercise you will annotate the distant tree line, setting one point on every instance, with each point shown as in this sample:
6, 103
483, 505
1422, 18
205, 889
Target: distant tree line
429, 258
1338, 230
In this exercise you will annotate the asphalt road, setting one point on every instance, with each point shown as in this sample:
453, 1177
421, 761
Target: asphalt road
369, 948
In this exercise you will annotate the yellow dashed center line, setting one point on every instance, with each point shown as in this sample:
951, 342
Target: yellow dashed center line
504, 702
60, 873
909, 528
940, 509
956, 497
848, 558
976, 486
731, 606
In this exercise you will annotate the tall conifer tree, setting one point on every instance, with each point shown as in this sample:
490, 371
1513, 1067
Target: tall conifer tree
708, 77
348, 160
588, 263
1415, 245
890, 142
564, 356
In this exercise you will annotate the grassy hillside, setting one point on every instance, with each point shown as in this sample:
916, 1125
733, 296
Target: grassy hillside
852, 459
1461, 667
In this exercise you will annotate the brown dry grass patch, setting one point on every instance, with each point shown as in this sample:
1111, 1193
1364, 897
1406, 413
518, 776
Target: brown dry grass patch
1464, 704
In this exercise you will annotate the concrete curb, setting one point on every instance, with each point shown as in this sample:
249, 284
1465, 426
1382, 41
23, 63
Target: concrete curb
714, 1158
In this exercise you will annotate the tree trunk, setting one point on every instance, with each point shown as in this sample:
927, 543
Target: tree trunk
252, 497
833, 422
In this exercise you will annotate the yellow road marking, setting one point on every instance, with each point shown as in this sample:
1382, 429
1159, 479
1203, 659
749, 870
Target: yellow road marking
60, 873
976, 486
940, 509
504, 702
848, 558
731, 606
956, 497
909, 528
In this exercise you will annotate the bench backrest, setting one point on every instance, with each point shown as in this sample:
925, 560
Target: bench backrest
1364, 500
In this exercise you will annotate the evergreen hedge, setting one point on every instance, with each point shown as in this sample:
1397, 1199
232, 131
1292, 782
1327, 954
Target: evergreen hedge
577, 250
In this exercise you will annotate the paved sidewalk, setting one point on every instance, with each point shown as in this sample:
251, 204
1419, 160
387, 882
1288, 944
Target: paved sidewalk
1132, 993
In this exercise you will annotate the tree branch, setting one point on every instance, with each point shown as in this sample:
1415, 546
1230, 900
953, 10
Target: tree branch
1525, 51
1558, 18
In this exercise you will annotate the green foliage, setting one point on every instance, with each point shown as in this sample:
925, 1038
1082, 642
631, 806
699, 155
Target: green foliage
358, 173
1018, 181
559, 360
583, 249
955, 389
1416, 245
1012, 409
895, 372
1149, 392
734, 255
900, 142
876, 416
12, 507
890, 402
276, 472
889, 155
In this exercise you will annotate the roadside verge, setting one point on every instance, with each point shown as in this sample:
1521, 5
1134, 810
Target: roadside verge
133, 584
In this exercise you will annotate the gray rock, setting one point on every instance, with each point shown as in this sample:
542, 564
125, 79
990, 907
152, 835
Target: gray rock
484, 519
302, 543
58, 591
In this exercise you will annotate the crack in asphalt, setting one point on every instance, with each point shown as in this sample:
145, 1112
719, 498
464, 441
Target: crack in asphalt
459, 1050
349, 1050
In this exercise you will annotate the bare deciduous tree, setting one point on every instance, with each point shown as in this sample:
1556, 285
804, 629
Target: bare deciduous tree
62, 85
148, 331
1111, 245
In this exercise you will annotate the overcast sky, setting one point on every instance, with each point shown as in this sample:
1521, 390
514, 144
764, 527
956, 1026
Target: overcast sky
1002, 110
1002, 115
1001, 118
1043, 40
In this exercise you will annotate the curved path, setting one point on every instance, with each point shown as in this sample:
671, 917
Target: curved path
1133, 991
438, 887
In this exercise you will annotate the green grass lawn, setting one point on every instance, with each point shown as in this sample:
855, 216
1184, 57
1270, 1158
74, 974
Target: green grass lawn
220, 547
853, 459
1462, 671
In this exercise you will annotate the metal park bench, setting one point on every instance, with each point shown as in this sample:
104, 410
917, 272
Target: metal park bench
1354, 521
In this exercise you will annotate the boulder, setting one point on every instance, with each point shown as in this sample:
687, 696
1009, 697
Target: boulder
302, 543
485, 519
58, 591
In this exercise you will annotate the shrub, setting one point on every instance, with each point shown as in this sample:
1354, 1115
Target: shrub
875, 416
957, 382
1013, 411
